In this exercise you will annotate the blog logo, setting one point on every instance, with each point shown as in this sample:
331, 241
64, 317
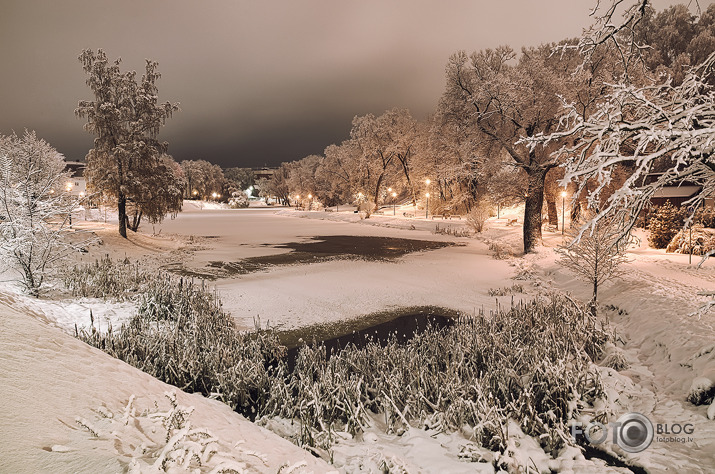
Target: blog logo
633, 432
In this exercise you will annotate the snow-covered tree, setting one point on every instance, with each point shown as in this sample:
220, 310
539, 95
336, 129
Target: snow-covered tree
35, 210
656, 127
163, 194
596, 255
125, 116
203, 179
377, 158
504, 98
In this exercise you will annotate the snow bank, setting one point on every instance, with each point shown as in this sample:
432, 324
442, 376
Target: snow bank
48, 380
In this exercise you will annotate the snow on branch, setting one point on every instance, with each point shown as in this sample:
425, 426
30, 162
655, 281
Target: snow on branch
664, 127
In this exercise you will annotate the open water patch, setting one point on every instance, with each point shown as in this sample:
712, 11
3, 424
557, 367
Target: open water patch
319, 249
399, 325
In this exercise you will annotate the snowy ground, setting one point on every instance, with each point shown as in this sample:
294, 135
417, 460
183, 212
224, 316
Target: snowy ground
667, 348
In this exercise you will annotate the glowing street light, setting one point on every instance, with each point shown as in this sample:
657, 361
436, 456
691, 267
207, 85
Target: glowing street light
563, 213
310, 201
214, 195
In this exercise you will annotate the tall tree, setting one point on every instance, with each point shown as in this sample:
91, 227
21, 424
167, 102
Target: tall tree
378, 156
125, 116
505, 99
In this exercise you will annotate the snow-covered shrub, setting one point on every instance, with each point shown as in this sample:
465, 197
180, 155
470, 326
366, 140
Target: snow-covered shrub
500, 250
663, 224
181, 335
614, 358
702, 391
35, 209
699, 239
481, 372
507, 290
706, 217
477, 217
595, 254
449, 230
106, 278
238, 200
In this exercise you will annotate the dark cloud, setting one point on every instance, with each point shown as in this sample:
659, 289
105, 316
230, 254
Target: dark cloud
258, 82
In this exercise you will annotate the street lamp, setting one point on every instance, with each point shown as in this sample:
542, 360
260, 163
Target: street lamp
394, 195
427, 206
213, 195
563, 211
310, 202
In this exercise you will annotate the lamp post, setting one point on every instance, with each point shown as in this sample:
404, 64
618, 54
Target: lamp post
427, 182
563, 211
310, 201
297, 200
394, 195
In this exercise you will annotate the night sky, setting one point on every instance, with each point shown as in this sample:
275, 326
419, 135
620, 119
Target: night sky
259, 82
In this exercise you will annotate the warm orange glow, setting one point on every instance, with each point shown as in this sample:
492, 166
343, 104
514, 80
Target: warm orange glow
427, 181
427, 194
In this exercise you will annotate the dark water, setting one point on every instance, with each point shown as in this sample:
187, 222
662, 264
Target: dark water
402, 328
330, 247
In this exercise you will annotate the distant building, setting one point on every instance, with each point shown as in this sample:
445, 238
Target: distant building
263, 173
77, 184
676, 194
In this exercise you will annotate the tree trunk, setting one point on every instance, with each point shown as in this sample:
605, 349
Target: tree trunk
122, 208
136, 220
532, 209
377, 193
406, 170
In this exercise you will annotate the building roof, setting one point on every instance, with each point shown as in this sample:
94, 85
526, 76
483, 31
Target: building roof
76, 168
676, 191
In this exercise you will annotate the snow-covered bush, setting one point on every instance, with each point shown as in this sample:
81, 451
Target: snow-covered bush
478, 215
106, 279
35, 210
481, 372
500, 250
595, 254
702, 391
664, 223
698, 239
507, 290
238, 200
181, 335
